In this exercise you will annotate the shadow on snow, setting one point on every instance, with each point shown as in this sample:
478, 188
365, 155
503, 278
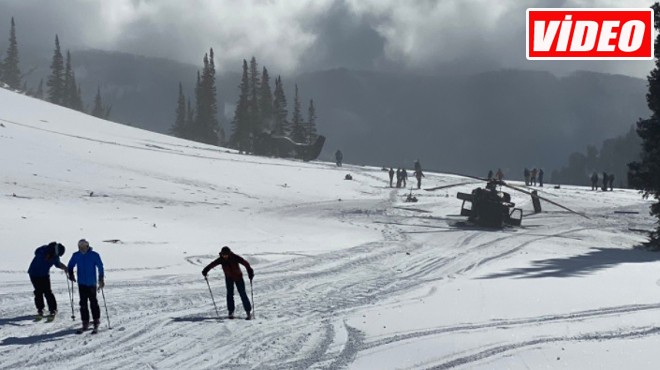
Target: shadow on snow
584, 264
196, 318
42, 338
15, 320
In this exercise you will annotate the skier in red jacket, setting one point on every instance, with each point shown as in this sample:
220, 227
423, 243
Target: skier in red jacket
233, 275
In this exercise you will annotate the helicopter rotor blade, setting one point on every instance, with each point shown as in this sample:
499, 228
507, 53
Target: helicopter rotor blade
543, 198
450, 185
501, 182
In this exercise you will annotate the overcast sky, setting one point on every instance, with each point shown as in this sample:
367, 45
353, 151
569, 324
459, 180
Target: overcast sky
291, 36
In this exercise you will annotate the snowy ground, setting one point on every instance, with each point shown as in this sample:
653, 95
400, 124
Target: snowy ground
347, 274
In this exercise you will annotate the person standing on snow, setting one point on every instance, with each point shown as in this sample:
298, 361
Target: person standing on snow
526, 175
88, 261
499, 175
45, 257
391, 173
532, 177
233, 276
418, 174
594, 181
339, 157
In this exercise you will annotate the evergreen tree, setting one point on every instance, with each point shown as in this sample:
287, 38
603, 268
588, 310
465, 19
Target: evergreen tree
69, 83
240, 137
266, 102
179, 128
280, 112
212, 101
99, 110
310, 129
297, 126
72, 97
205, 125
190, 117
55, 83
10, 72
253, 101
645, 174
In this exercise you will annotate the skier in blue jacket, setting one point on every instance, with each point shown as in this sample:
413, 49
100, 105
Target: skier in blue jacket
45, 257
88, 262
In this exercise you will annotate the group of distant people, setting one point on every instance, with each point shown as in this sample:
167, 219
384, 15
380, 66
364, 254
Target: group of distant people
531, 176
608, 181
402, 176
499, 175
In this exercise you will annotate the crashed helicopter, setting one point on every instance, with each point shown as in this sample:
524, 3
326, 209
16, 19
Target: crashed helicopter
492, 208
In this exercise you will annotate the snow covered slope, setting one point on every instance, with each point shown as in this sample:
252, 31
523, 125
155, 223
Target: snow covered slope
347, 274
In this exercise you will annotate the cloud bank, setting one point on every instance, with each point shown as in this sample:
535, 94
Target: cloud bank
422, 36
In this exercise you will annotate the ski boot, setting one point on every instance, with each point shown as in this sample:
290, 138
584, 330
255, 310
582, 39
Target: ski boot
51, 316
84, 328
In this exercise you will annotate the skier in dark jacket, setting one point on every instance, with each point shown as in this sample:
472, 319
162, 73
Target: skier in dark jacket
45, 257
605, 180
611, 181
233, 275
87, 261
391, 173
541, 177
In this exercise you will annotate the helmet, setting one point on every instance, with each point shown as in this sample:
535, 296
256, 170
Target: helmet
225, 250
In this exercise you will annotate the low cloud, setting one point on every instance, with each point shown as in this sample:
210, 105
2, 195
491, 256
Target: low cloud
291, 36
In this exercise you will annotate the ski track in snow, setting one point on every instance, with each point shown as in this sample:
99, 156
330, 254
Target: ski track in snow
290, 294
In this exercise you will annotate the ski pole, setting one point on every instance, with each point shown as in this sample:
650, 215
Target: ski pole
252, 294
70, 291
210, 291
106, 309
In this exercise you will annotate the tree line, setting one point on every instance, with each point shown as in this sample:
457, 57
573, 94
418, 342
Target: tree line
612, 157
259, 109
61, 86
